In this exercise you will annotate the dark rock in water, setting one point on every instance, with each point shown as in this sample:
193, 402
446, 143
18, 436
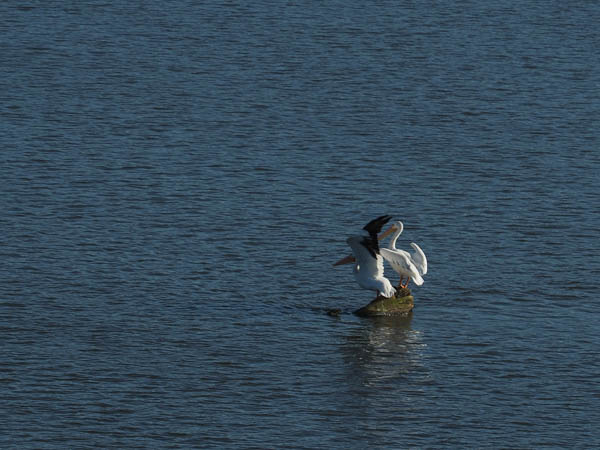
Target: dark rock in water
334, 312
401, 304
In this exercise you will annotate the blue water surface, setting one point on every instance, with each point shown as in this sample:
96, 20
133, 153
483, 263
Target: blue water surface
178, 178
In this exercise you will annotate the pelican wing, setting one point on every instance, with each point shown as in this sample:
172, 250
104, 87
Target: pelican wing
402, 263
419, 258
373, 228
368, 260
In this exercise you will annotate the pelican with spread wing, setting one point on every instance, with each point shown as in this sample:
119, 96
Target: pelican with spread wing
406, 265
368, 270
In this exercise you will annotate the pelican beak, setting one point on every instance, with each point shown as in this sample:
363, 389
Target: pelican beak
386, 233
347, 260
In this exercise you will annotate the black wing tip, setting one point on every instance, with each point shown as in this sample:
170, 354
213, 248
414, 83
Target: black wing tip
375, 225
373, 228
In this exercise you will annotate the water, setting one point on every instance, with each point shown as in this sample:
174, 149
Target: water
177, 181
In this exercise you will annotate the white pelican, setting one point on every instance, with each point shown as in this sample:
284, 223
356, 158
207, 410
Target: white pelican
369, 268
412, 266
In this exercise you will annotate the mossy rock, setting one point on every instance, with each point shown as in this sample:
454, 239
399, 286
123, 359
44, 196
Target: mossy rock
401, 304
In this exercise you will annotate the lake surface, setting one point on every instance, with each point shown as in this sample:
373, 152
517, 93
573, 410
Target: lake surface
177, 180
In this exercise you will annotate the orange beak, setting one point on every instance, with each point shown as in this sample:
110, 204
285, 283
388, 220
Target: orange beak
347, 260
386, 233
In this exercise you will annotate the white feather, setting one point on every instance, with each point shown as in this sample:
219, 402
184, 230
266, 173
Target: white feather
369, 270
405, 264
402, 264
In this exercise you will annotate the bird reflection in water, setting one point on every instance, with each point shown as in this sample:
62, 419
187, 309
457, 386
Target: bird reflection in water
385, 379
385, 350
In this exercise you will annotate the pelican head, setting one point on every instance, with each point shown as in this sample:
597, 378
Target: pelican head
396, 226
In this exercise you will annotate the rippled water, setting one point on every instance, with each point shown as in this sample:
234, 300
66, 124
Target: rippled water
178, 179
